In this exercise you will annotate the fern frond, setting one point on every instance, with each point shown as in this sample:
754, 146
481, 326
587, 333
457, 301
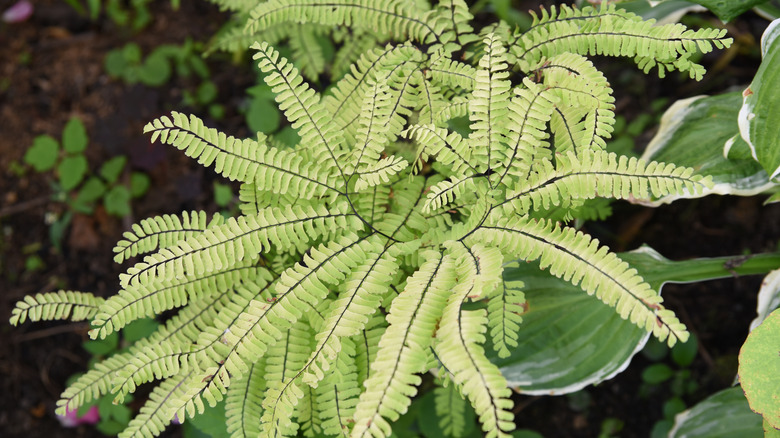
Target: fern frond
403, 348
353, 45
183, 352
284, 361
349, 314
254, 200
233, 39
244, 160
488, 107
449, 148
380, 172
529, 112
243, 402
446, 192
157, 413
93, 384
451, 73
183, 328
451, 20
583, 117
149, 299
372, 132
366, 346
451, 410
307, 51
464, 358
307, 413
171, 354
338, 393
602, 174
302, 107
614, 32
578, 259
461, 332
376, 66
505, 309
222, 247
396, 17
75, 306
430, 98
161, 232
263, 324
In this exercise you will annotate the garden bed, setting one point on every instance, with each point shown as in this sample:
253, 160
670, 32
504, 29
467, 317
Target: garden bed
52, 69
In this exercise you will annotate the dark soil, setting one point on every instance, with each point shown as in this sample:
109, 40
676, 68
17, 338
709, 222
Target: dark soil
51, 68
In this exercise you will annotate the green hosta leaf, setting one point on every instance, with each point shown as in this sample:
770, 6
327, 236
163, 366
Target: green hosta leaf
759, 119
111, 169
74, 137
725, 414
71, 171
43, 153
569, 340
770, 9
702, 132
727, 10
671, 10
117, 201
664, 11
759, 366
768, 297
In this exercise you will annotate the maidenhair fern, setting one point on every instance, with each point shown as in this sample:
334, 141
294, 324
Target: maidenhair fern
373, 251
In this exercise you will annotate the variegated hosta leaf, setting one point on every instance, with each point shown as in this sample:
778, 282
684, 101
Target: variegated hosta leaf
759, 122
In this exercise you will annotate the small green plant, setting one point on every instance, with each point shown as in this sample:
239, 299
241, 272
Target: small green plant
134, 14
127, 63
74, 185
678, 379
387, 243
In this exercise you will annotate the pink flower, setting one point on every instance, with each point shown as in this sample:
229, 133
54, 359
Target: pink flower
71, 418
19, 12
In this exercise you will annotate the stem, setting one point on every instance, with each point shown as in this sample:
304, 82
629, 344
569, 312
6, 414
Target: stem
689, 271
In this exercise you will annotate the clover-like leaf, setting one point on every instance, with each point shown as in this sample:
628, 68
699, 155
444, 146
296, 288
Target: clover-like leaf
74, 136
43, 153
71, 171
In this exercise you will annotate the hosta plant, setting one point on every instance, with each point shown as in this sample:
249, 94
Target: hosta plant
374, 251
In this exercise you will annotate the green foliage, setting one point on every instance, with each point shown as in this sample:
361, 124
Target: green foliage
74, 186
134, 14
381, 245
759, 363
